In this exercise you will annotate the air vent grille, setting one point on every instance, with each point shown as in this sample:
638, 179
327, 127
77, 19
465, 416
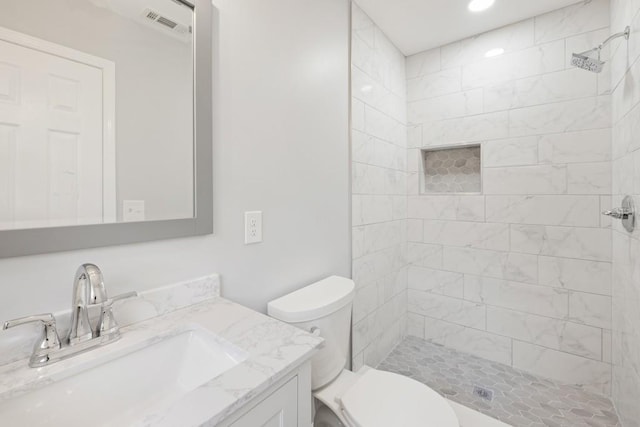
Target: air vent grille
164, 21
167, 23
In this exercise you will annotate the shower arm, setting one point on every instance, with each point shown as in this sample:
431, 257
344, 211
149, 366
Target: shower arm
609, 39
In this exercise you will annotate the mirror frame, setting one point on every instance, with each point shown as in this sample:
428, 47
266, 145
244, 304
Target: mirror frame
55, 239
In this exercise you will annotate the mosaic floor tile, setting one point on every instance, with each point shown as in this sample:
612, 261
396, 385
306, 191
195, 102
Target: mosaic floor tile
519, 398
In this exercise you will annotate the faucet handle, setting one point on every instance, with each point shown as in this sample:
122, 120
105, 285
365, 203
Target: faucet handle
107, 324
48, 341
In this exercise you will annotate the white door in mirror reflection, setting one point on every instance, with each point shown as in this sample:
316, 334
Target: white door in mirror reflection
51, 140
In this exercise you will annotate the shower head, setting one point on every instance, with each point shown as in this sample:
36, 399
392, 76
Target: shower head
587, 63
582, 60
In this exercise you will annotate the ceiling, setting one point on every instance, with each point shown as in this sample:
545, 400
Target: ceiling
417, 25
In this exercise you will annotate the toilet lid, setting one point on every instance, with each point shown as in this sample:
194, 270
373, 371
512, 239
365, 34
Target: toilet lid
381, 398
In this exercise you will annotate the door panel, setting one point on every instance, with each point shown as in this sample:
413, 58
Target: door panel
53, 107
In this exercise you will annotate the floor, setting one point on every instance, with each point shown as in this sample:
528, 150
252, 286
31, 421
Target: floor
519, 399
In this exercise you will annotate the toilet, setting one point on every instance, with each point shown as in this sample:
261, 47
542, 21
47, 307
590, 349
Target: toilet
369, 397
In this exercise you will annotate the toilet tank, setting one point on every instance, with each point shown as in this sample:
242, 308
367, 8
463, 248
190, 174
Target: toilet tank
322, 308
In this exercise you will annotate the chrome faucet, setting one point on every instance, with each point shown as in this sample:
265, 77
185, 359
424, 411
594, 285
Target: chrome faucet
88, 291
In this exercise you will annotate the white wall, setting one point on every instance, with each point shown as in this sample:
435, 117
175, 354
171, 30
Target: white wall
379, 161
519, 274
625, 77
281, 146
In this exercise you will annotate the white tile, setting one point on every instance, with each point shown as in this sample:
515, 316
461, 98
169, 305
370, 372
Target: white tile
363, 56
592, 375
533, 61
501, 265
467, 234
373, 266
582, 114
445, 107
576, 147
383, 126
414, 230
441, 307
365, 302
415, 325
571, 242
371, 209
575, 274
423, 63
542, 89
582, 211
565, 336
367, 179
534, 299
466, 129
424, 255
436, 281
538, 179
606, 346
590, 309
414, 159
383, 235
435, 84
511, 38
589, 178
357, 114
510, 152
414, 136
357, 242
572, 20
399, 207
463, 208
479, 343
362, 25
382, 345
374, 94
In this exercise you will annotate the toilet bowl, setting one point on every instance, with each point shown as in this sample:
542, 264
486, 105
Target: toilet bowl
369, 397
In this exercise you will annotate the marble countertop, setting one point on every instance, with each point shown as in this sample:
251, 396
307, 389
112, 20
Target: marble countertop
274, 350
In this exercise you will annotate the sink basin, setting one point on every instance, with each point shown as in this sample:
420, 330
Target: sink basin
116, 391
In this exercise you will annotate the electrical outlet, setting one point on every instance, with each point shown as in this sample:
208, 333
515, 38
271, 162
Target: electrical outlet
132, 210
252, 227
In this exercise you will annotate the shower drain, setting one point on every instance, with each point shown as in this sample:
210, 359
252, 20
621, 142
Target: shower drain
483, 393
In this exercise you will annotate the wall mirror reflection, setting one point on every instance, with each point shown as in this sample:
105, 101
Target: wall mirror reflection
96, 112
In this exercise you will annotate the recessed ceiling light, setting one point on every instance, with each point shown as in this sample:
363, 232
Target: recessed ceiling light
480, 5
494, 52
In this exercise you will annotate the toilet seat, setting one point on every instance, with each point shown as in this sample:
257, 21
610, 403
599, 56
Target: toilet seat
379, 399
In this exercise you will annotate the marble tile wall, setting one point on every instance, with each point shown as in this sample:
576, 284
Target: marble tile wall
521, 274
379, 192
625, 78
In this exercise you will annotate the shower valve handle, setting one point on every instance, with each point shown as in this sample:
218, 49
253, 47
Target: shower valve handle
626, 213
619, 213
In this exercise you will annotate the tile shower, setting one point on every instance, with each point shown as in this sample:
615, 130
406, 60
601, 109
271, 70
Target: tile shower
518, 272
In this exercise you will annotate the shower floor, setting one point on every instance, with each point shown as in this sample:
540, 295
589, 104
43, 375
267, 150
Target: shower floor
519, 398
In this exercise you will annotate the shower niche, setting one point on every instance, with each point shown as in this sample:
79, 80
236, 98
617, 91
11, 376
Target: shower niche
451, 170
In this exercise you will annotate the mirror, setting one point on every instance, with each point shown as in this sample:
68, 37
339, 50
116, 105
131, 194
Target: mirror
105, 112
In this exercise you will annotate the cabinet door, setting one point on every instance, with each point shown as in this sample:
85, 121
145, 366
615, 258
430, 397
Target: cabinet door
280, 409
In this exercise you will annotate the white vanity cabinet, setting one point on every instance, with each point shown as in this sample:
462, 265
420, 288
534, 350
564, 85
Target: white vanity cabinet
285, 404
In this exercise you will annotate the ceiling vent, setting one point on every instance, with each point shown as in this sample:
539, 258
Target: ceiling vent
167, 23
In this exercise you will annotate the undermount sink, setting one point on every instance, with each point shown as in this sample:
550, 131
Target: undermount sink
114, 390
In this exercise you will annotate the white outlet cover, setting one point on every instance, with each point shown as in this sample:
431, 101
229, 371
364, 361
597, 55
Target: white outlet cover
133, 210
252, 227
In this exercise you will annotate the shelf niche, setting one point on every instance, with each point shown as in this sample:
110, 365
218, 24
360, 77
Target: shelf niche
451, 170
